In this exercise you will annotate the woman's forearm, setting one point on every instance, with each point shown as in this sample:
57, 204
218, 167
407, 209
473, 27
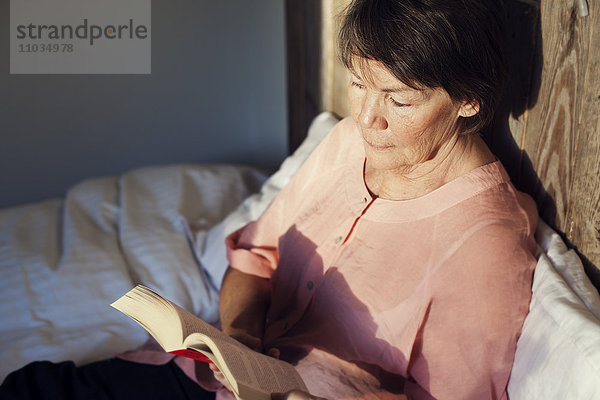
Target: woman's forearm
243, 303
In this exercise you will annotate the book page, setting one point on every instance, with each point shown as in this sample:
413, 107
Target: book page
191, 324
154, 313
247, 367
253, 375
255, 370
141, 297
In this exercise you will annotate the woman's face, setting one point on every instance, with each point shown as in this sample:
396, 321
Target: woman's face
401, 127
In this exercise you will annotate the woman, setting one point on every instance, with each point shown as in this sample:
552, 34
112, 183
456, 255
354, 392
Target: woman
399, 259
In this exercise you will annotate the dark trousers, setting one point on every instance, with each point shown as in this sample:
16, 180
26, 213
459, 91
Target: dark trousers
113, 379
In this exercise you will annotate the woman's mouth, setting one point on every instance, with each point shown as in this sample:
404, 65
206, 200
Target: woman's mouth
378, 147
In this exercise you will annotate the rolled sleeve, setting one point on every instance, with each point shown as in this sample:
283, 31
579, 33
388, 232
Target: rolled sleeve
245, 256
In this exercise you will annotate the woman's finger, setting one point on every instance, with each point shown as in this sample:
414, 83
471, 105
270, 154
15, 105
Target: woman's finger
221, 378
273, 352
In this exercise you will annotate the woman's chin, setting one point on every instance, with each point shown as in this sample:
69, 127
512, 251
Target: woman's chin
383, 158
381, 163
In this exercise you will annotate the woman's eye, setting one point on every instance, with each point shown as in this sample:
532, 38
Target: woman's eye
397, 103
357, 85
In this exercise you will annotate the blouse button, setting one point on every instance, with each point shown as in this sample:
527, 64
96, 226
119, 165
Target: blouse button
309, 285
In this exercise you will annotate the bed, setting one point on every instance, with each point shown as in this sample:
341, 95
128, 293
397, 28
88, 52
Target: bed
63, 261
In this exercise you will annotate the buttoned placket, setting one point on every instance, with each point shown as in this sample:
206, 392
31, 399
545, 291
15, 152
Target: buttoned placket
340, 241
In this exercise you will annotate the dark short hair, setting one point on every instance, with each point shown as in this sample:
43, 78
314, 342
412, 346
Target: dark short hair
457, 45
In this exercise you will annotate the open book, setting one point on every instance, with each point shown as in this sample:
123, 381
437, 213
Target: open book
252, 375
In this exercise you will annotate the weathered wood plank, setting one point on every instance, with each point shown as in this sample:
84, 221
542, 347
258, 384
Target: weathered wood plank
549, 140
583, 216
334, 76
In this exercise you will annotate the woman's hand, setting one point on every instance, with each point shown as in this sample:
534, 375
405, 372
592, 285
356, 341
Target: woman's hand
243, 307
219, 376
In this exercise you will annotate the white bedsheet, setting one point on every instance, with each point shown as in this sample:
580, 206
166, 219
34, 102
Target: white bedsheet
63, 261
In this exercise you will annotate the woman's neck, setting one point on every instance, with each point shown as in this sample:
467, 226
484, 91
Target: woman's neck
457, 158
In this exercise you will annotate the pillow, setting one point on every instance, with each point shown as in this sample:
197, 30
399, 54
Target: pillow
558, 352
212, 250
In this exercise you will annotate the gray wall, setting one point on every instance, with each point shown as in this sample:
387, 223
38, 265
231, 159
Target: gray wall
216, 94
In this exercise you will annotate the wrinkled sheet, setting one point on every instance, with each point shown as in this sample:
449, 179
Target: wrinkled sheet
63, 261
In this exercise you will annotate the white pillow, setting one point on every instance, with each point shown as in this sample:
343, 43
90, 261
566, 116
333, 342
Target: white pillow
558, 352
213, 253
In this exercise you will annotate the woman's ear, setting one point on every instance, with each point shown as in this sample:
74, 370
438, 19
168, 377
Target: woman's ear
468, 109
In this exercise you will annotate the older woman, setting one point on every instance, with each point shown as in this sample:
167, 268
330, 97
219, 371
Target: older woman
399, 259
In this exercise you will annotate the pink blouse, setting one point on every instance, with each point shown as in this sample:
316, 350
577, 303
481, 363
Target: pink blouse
372, 297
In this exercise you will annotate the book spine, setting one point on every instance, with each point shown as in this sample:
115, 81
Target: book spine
192, 354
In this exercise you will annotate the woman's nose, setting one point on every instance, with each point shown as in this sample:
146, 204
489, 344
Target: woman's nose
371, 116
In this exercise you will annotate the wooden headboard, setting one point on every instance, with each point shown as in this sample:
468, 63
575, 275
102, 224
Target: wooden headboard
546, 131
